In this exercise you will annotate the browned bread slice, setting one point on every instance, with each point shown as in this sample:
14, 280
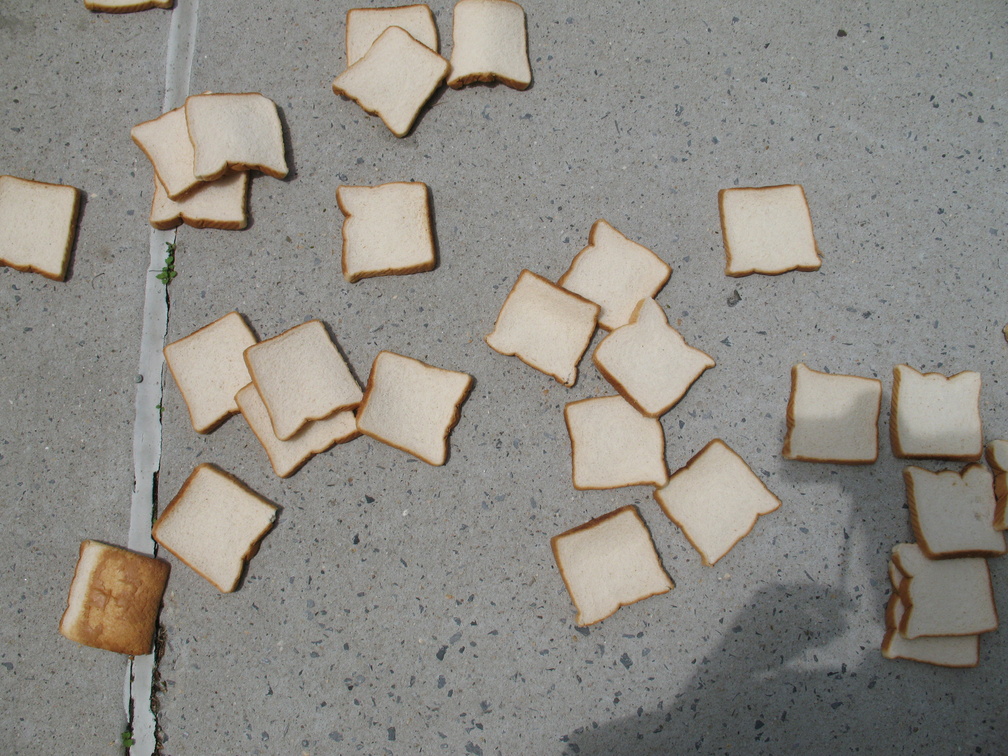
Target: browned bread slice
936, 416
997, 458
38, 223
125, 6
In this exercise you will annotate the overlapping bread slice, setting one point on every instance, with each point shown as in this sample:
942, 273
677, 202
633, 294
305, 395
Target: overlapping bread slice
365, 25
126, 6
38, 224
997, 458
165, 141
235, 132
221, 204
489, 43
940, 650
934, 415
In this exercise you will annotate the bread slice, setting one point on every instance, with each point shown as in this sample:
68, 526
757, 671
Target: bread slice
936, 416
942, 651
715, 500
287, 457
997, 458
544, 326
301, 376
767, 230
944, 596
125, 6
212, 204
489, 43
609, 562
614, 445
387, 231
114, 599
214, 525
832, 418
38, 223
208, 367
235, 132
165, 142
615, 273
365, 25
394, 79
649, 362
952, 514
412, 406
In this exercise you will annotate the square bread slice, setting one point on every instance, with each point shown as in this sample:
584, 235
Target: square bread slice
767, 230
214, 525
114, 599
301, 376
387, 231
952, 514
125, 6
394, 79
165, 142
235, 132
615, 273
544, 326
38, 223
944, 596
609, 562
997, 458
412, 406
715, 500
211, 204
936, 416
614, 445
208, 367
287, 457
489, 43
649, 362
942, 651
365, 25
832, 418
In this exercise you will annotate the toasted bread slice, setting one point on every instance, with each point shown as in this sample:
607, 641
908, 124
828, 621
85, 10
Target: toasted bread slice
365, 25
165, 142
715, 500
832, 418
934, 416
942, 651
114, 599
412, 406
214, 525
38, 223
609, 562
235, 132
211, 204
544, 326
387, 231
125, 6
615, 273
614, 445
649, 362
489, 43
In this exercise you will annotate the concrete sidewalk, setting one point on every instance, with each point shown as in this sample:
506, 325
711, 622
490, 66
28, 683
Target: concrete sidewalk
403, 608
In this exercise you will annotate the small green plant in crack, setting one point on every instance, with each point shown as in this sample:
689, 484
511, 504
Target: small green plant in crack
168, 271
127, 739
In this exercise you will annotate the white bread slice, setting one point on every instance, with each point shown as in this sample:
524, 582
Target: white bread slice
997, 455
214, 525
235, 132
615, 273
952, 514
38, 223
301, 376
941, 650
165, 142
212, 204
944, 596
208, 367
715, 500
412, 406
936, 416
614, 445
997, 458
649, 362
609, 562
114, 599
287, 457
125, 6
387, 230
365, 25
544, 326
767, 230
489, 43
394, 79
832, 418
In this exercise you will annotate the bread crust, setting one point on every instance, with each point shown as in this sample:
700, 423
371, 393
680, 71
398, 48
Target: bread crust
140, 5
490, 77
71, 235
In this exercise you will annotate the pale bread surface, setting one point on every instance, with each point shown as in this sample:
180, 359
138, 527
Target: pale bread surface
943, 651
615, 273
301, 376
214, 525
165, 142
217, 204
609, 562
489, 43
545, 326
935, 416
236, 132
365, 25
38, 224
649, 362
386, 231
832, 418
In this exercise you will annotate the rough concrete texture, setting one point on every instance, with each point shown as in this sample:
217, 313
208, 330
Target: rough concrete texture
403, 608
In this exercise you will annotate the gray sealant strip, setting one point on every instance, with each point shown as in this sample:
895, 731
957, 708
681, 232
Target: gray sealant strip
139, 689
